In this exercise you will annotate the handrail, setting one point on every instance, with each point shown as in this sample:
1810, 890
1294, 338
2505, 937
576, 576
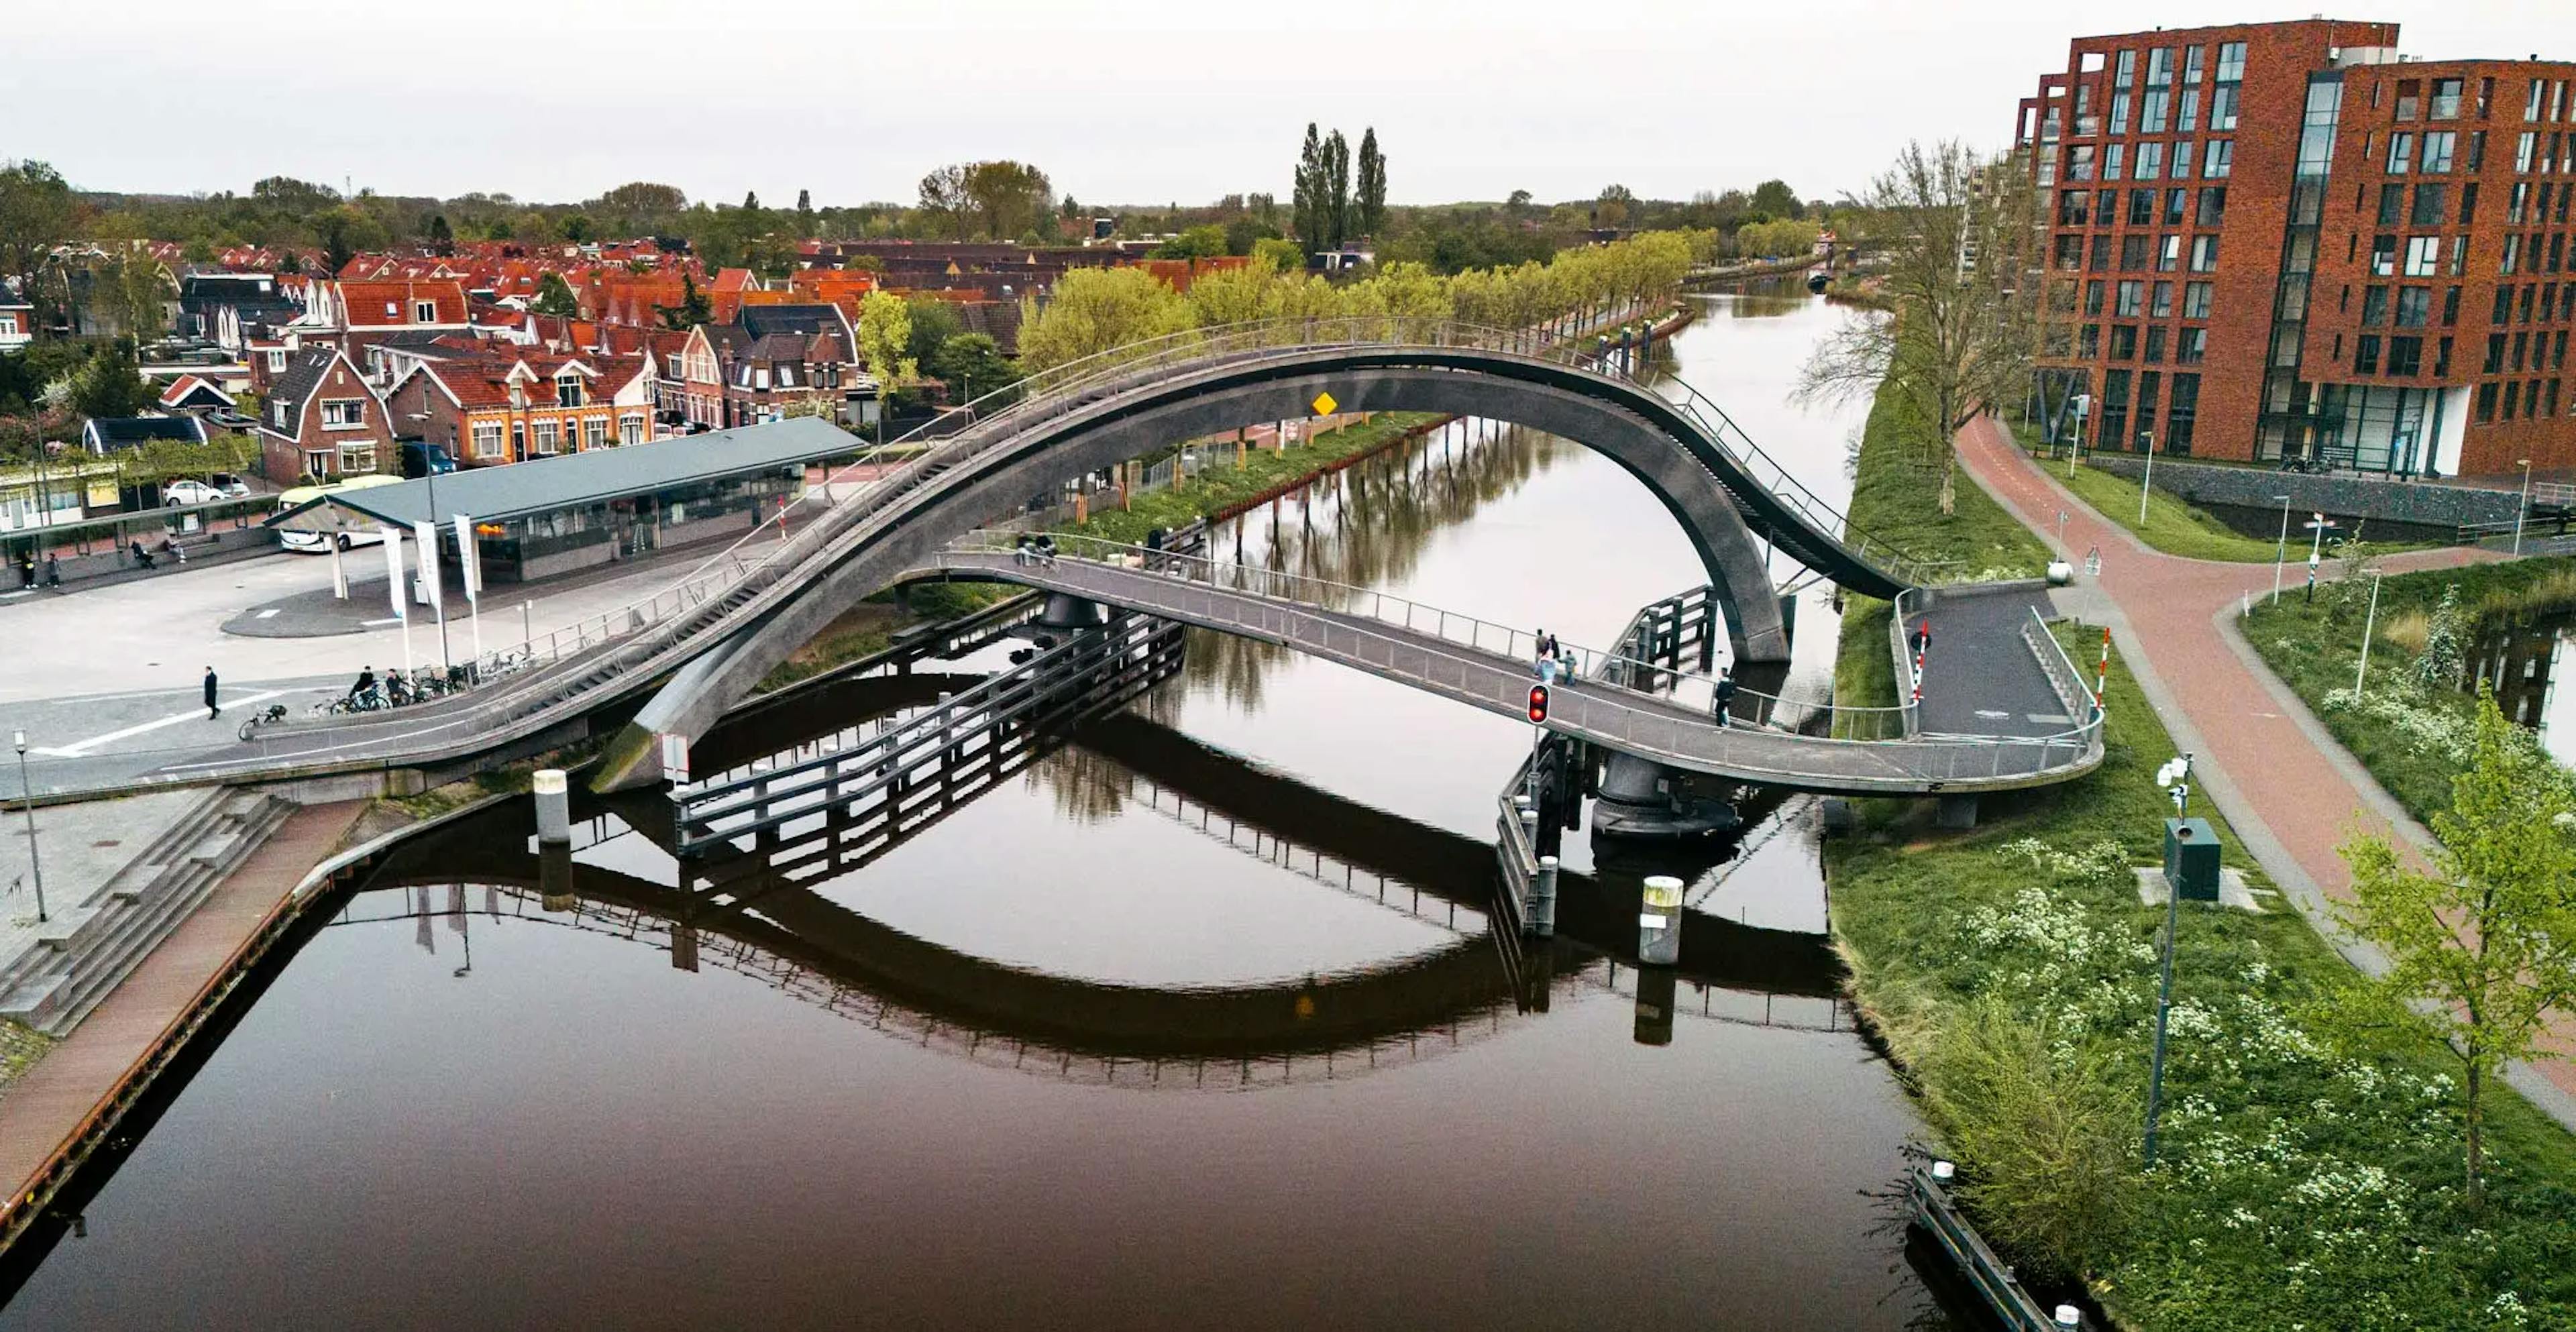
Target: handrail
2063, 674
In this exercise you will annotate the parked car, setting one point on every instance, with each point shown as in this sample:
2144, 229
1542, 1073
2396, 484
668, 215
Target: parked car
317, 530
421, 459
176, 494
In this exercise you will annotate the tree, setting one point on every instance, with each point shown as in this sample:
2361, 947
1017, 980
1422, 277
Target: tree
934, 321
579, 229
1372, 184
1284, 256
286, 194
751, 202
554, 297
693, 309
130, 292
1776, 240
112, 384
971, 363
885, 342
346, 233
1307, 199
1610, 211
1774, 199
944, 199
2487, 940
442, 238
1337, 192
37, 213
1094, 310
1205, 242
1959, 338
1008, 197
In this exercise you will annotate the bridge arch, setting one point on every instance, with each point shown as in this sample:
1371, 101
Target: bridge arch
1674, 454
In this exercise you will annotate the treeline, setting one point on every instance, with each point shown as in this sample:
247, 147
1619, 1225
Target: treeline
1097, 310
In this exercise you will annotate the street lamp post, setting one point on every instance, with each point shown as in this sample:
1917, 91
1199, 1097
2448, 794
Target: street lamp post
2281, 552
2368, 623
27, 801
2316, 552
2175, 777
2083, 405
2524, 507
2147, 439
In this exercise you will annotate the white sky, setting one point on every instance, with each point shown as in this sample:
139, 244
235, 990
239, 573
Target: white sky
1120, 101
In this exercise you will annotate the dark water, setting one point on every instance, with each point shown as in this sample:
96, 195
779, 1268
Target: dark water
1194, 1022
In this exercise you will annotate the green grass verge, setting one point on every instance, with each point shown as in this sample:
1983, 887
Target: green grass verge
2173, 525
1896, 498
2310, 1165
1221, 484
2410, 733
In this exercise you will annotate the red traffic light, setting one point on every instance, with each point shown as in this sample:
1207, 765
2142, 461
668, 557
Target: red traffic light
1538, 703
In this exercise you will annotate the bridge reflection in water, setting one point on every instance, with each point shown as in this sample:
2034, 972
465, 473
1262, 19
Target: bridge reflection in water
763, 912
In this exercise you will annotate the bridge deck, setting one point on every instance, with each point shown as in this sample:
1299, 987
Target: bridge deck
1667, 732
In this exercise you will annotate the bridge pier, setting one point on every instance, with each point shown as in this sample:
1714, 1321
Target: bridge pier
1066, 613
1956, 811
1641, 798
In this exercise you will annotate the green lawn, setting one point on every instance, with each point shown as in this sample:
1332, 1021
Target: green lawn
2310, 1167
2173, 525
1896, 498
2408, 734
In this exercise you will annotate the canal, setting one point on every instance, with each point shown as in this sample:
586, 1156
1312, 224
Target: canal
1192, 1022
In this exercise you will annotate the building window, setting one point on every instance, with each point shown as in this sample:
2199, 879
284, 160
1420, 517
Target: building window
277, 362
2132, 294
317, 462
2469, 204
2446, 99
2155, 349
2392, 205
2401, 152
2405, 356
2218, 160
2124, 342
343, 413
2191, 346
546, 433
568, 391
630, 429
2093, 296
2423, 256
487, 439
594, 433
277, 413
2162, 306
2486, 402
2438, 146
358, 459
2169, 254
2151, 161
2523, 148
2142, 208
2195, 299
2383, 256
2414, 307
2204, 254
2531, 99
2374, 306
424, 312
2111, 159
2442, 360
2133, 254
2365, 359
2074, 209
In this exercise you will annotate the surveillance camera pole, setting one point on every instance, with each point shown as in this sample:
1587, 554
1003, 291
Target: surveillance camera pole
2175, 776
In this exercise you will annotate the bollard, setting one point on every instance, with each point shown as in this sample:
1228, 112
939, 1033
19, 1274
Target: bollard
554, 808
1541, 910
1659, 925
2069, 1317
554, 876
1654, 1020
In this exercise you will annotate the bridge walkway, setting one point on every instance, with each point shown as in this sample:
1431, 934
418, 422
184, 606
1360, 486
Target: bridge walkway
1857, 751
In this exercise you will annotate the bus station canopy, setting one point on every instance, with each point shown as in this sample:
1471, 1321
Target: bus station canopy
574, 480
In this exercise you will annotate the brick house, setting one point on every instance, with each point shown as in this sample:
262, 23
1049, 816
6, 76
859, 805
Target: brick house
494, 409
322, 420
17, 320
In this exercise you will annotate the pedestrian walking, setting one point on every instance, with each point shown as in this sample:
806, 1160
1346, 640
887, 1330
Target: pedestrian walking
1725, 697
212, 711
53, 570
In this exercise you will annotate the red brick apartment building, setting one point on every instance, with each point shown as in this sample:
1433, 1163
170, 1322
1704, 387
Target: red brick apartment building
2286, 240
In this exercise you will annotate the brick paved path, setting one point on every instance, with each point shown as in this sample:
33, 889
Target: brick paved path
2291, 791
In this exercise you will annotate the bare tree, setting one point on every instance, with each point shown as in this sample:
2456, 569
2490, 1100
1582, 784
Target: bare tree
1954, 229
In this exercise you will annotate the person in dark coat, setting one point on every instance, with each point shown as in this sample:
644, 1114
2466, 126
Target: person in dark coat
212, 711
1725, 704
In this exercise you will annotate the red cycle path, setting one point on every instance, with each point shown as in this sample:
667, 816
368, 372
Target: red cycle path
2306, 798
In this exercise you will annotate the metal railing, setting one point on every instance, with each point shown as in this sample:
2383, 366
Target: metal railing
2063, 675
1422, 645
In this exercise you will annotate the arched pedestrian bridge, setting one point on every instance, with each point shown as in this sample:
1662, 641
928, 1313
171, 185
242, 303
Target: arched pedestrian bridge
710, 636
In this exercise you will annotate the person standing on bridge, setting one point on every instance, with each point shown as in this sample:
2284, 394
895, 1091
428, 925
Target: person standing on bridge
212, 711
1724, 707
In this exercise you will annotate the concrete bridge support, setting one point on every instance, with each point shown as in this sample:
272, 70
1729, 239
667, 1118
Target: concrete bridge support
1640, 798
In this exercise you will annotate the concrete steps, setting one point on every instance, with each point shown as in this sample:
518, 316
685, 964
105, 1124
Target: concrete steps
87, 949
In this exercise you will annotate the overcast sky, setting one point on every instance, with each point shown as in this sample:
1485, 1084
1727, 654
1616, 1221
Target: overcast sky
854, 100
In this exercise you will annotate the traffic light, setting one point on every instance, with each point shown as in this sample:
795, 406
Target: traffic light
1538, 703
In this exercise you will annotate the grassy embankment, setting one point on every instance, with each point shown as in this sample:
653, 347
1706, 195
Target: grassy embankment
2411, 734
2310, 1169
871, 626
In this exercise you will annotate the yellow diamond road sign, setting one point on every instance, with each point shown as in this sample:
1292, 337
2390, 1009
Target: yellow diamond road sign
1324, 404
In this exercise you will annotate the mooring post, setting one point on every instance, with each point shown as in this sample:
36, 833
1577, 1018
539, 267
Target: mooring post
554, 807
1659, 925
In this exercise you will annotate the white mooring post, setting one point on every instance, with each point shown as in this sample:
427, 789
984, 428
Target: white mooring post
554, 807
1541, 911
1659, 925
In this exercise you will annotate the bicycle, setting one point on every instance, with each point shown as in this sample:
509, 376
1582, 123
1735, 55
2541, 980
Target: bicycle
268, 716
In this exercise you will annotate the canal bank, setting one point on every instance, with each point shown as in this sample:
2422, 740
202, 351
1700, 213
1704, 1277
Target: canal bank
2308, 1172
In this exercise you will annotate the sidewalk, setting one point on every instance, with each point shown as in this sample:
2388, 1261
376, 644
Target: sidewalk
2291, 791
